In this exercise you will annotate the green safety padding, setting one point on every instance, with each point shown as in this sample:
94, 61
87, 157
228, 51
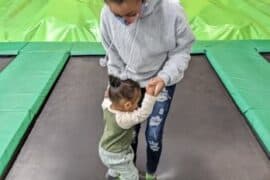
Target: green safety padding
41, 20
23, 101
28, 78
11, 48
245, 73
260, 119
12, 128
86, 48
200, 47
30, 74
36, 66
262, 46
50, 46
25, 83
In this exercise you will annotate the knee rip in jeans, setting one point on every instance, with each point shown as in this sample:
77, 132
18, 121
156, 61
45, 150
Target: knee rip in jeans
163, 96
155, 121
161, 111
154, 146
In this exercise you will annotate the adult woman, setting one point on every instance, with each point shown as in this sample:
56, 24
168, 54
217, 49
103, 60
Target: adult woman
148, 41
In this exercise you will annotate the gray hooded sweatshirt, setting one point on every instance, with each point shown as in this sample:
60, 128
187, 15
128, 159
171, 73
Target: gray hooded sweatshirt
157, 44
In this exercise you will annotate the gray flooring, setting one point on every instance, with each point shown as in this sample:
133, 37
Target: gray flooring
206, 138
267, 56
4, 61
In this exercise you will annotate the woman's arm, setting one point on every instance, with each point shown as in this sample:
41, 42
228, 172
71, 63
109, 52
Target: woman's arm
179, 57
115, 63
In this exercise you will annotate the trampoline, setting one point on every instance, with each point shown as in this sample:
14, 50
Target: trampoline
51, 88
266, 56
206, 136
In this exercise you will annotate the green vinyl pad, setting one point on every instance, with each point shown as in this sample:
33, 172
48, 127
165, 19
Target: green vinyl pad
47, 47
24, 86
25, 83
13, 125
199, 47
260, 119
11, 48
87, 48
262, 45
245, 73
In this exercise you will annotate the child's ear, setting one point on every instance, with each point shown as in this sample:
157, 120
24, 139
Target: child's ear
127, 105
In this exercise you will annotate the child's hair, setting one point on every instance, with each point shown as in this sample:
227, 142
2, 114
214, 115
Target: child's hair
122, 89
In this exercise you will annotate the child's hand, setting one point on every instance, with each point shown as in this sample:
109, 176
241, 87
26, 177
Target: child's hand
158, 83
150, 89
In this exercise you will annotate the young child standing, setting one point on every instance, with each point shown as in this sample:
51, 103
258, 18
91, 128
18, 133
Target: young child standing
121, 113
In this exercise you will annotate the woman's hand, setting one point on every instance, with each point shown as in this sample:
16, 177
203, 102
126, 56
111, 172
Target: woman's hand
150, 89
158, 83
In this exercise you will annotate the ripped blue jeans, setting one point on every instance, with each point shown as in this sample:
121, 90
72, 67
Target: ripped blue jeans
154, 129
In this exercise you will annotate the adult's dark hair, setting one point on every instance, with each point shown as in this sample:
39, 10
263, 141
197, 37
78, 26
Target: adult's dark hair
115, 1
120, 89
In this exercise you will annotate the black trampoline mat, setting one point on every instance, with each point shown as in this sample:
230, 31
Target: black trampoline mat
205, 138
4, 61
266, 56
